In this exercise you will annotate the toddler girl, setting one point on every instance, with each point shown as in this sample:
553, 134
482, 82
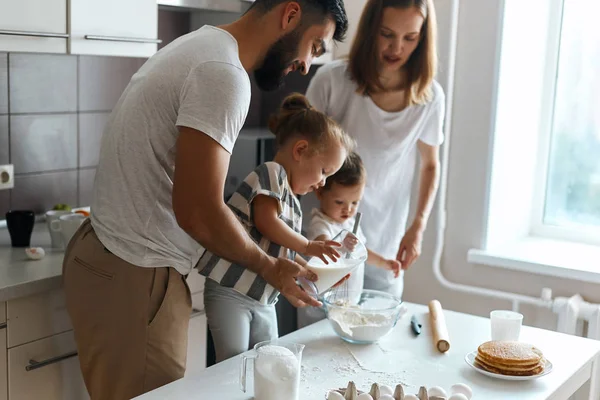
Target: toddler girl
240, 305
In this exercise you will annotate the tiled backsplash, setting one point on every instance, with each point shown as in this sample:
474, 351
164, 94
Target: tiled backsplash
53, 109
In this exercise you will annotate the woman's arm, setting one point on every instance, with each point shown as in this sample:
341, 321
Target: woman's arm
266, 219
429, 177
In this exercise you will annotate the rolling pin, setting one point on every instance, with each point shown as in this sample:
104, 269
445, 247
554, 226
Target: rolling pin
441, 339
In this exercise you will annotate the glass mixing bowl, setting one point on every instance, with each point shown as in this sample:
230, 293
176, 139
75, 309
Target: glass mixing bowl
362, 317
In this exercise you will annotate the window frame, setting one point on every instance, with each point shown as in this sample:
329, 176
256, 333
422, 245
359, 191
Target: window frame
586, 235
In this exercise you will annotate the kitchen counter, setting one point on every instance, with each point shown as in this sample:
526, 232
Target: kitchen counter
329, 363
20, 276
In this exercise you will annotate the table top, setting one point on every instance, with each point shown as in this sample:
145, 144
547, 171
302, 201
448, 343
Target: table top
20, 276
401, 357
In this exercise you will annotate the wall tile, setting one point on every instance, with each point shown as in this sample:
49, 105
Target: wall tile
4, 144
42, 83
91, 127
86, 186
40, 192
43, 142
4, 203
103, 79
3, 83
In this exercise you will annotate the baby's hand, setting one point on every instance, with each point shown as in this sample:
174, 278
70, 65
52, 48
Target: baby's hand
350, 241
393, 265
323, 248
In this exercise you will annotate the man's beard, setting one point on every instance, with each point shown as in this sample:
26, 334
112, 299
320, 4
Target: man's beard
279, 58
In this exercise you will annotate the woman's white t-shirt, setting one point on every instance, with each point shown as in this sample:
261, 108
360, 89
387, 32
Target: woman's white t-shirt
387, 143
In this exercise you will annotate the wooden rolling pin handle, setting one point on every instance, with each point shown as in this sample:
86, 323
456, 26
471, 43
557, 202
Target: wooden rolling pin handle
441, 339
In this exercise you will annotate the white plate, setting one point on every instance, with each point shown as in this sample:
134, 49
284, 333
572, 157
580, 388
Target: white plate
470, 359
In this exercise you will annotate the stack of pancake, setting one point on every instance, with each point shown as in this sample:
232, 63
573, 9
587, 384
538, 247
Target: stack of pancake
510, 358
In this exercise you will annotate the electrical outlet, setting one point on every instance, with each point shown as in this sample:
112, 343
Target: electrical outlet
7, 177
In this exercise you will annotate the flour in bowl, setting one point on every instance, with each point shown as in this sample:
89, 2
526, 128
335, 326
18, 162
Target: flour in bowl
276, 374
362, 326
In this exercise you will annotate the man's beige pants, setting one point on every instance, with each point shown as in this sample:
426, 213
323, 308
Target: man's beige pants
130, 322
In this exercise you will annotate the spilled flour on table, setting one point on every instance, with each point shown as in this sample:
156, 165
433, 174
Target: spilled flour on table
329, 363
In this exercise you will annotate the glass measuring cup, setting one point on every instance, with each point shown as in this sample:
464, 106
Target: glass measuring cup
277, 370
352, 253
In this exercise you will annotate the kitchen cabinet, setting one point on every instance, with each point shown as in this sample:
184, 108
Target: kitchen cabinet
3, 363
33, 26
113, 27
196, 354
46, 369
34, 317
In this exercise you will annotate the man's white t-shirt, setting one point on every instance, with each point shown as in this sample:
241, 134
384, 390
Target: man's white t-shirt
387, 144
197, 81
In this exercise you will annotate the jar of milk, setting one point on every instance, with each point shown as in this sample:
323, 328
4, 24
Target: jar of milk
276, 370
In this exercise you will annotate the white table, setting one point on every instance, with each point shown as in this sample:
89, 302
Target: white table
328, 363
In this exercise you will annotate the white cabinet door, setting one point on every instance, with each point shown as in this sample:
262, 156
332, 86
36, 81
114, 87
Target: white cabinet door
33, 26
196, 355
113, 27
3, 365
46, 369
34, 317
195, 282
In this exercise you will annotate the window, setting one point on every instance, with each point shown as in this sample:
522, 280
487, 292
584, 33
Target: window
543, 199
570, 206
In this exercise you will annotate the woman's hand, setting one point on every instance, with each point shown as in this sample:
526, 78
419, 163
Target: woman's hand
323, 248
410, 246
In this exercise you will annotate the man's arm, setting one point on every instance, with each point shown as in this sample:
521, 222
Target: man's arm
200, 171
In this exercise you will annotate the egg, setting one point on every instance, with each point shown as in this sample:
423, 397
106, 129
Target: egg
461, 388
35, 253
333, 395
458, 396
384, 389
437, 391
386, 397
410, 397
364, 396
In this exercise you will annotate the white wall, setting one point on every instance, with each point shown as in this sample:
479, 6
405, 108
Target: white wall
470, 139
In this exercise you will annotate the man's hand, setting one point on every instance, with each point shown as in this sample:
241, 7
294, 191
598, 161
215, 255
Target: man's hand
282, 276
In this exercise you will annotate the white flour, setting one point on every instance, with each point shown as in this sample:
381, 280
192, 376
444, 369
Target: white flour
276, 374
367, 327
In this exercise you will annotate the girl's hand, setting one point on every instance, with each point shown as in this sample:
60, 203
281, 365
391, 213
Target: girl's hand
394, 266
410, 247
323, 248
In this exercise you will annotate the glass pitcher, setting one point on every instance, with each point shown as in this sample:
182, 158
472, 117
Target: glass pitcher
277, 370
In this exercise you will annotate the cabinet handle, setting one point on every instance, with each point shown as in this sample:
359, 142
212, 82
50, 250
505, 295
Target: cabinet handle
196, 313
122, 39
2, 325
39, 364
34, 34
